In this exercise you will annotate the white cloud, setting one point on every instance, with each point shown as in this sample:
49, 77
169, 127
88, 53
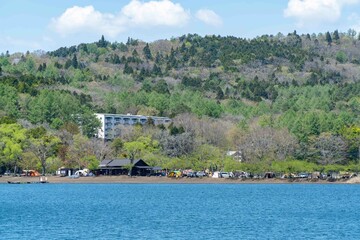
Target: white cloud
155, 13
209, 17
316, 11
86, 19
135, 14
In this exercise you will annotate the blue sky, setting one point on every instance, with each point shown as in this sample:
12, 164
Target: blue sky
47, 25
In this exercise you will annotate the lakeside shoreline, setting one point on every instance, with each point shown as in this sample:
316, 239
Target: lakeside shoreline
166, 180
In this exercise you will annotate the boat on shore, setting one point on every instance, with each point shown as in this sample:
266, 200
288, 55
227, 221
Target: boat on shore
18, 182
42, 179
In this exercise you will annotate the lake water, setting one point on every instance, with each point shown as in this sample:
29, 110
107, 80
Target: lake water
179, 211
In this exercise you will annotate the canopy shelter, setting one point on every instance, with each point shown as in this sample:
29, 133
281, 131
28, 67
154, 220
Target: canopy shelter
31, 173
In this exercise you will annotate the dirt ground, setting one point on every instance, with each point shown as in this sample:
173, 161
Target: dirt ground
166, 180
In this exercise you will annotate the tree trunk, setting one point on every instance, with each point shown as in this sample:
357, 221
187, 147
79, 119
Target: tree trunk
132, 165
43, 166
43, 170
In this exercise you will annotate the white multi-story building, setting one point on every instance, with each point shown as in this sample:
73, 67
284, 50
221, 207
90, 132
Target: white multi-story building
109, 122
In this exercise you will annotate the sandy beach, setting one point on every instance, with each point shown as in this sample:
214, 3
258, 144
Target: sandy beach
166, 180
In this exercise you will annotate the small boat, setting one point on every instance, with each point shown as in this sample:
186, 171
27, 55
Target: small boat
18, 182
12, 182
42, 179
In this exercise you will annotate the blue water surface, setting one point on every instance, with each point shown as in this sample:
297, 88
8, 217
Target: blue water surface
179, 211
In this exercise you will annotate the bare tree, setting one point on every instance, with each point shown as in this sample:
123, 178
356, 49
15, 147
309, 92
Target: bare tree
100, 148
206, 130
78, 150
327, 149
66, 141
267, 144
176, 145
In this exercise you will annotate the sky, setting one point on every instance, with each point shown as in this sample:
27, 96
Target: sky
30, 25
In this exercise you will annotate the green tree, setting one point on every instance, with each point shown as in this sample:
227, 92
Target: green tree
9, 101
352, 137
88, 123
12, 143
128, 69
162, 87
92, 162
156, 70
341, 57
7, 120
142, 145
159, 101
29, 161
219, 93
74, 62
43, 148
134, 149
147, 52
336, 36
78, 151
117, 146
102, 43
207, 156
328, 38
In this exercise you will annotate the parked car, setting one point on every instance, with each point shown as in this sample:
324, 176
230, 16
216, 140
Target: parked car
269, 175
303, 175
157, 174
323, 176
226, 174
191, 174
83, 173
175, 174
242, 175
201, 174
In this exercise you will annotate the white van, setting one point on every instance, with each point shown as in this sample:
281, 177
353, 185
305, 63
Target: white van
216, 175
222, 175
226, 174
83, 172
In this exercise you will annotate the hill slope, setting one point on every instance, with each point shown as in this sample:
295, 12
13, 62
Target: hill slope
298, 91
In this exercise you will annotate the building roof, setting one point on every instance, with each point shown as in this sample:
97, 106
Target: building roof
121, 163
104, 163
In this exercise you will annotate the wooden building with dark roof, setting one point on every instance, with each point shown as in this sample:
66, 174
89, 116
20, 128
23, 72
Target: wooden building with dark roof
125, 167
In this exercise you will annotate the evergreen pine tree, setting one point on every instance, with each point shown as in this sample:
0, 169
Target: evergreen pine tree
336, 36
74, 62
102, 42
328, 38
147, 52
220, 93
157, 58
128, 69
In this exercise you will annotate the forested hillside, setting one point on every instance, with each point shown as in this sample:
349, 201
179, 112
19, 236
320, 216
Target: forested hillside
287, 102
